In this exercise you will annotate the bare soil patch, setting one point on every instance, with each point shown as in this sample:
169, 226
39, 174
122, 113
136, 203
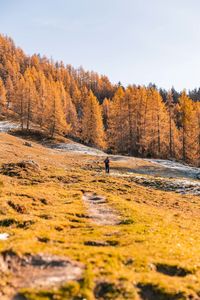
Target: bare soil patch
37, 271
99, 211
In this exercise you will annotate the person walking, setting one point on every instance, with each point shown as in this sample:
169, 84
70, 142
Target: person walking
107, 165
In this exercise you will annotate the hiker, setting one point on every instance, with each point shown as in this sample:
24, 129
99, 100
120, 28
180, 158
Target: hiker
107, 165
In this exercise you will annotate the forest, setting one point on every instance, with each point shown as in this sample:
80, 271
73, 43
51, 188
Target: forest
142, 121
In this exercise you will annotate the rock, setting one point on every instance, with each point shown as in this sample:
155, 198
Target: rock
29, 164
198, 176
172, 270
128, 262
17, 207
101, 243
40, 270
4, 236
96, 243
17, 169
106, 290
28, 144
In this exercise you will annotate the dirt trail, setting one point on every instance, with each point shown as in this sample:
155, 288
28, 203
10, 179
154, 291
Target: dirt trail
99, 211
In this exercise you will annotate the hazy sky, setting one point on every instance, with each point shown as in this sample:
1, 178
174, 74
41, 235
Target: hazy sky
132, 41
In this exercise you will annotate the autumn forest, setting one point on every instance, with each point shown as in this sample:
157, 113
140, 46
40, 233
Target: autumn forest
134, 120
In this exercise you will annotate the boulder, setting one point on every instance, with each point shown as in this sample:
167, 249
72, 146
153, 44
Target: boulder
28, 144
20, 168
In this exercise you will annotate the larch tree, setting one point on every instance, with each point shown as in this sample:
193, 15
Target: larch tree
173, 131
198, 132
141, 114
170, 107
2, 97
149, 120
131, 114
152, 124
41, 86
20, 100
137, 120
117, 139
161, 117
75, 94
187, 126
9, 92
92, 123
69, 110
56, 121
30, 99
105, 111
195, 134
72, 118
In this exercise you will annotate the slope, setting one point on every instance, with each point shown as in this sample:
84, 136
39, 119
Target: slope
151, 251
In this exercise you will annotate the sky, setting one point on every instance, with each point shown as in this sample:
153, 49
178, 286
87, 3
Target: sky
131, 41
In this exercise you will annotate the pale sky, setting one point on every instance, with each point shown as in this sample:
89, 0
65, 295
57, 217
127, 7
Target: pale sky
132, 41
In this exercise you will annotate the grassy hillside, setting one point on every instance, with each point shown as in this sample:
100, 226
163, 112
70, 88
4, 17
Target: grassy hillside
152, 252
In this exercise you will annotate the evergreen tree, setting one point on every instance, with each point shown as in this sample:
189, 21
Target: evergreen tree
117, 139
2, 97
56, 122
10, 93
105, 110
30, 99
188, 125
69, 110
20, 100
92, 124
138, 120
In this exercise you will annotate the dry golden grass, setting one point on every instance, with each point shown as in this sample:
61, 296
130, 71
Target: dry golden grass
158, 233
